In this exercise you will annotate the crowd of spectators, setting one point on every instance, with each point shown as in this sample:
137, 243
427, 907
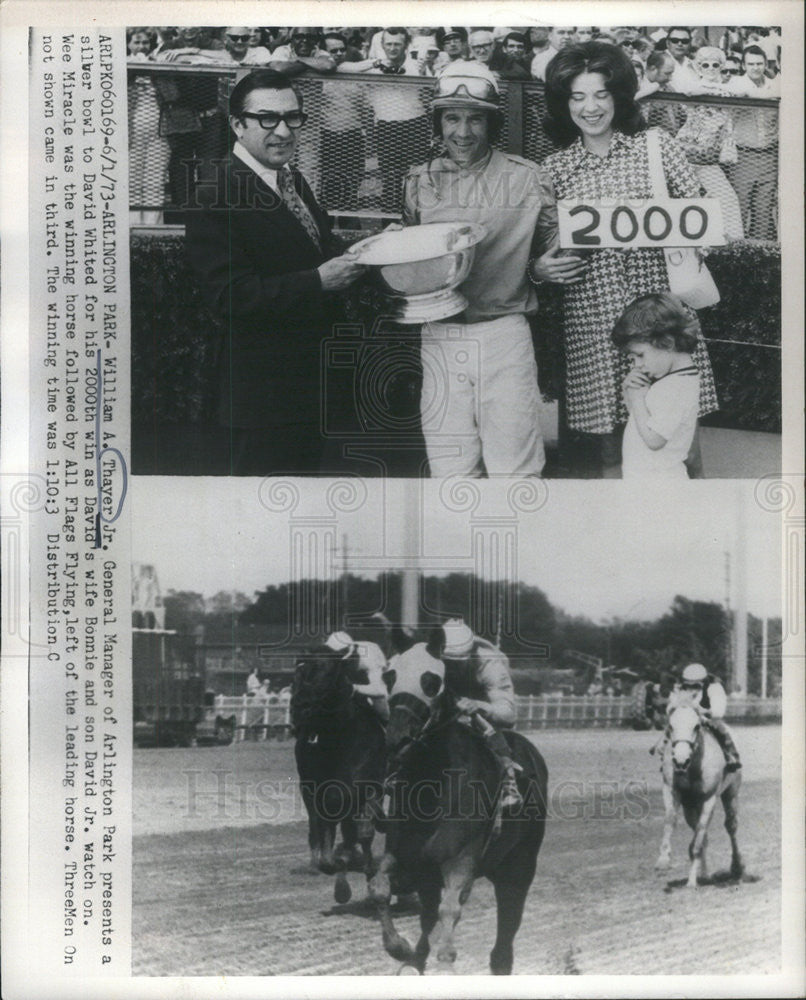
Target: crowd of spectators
511, 53
733, 149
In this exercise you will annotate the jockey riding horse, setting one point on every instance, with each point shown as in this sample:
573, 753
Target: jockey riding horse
705, 693
477, 674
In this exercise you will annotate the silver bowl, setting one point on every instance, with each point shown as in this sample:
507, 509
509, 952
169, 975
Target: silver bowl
419, 268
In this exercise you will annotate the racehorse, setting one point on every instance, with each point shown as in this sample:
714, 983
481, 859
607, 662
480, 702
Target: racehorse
340, 754
444, 828
694, 776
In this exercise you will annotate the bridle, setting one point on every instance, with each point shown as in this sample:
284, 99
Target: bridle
416, 709
693, 743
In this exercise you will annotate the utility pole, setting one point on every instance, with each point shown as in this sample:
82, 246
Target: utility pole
740, 545
345, 585
410, 595
730, 629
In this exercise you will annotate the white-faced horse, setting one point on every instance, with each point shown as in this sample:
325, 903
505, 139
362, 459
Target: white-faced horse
444, 829
694, 776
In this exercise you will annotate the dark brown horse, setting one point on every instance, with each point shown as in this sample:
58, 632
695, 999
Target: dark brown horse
340, 754
444, 828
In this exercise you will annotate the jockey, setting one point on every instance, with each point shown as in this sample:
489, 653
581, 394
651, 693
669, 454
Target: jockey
705, 693
477, 673
370, 659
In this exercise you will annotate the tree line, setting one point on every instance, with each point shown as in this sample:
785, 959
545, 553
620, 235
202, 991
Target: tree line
532, 631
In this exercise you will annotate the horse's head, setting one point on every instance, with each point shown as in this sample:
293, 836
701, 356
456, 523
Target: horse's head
323, 686
684, 726
415, 682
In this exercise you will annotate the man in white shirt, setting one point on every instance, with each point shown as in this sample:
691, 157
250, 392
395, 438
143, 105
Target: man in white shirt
684, 78
237, 48
302, 53
667, 115
559, 38
401, 124
341, 135
755, 174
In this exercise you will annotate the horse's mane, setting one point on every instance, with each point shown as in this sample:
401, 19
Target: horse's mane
322, 694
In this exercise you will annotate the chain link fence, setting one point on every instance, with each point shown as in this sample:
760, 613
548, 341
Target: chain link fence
365, 131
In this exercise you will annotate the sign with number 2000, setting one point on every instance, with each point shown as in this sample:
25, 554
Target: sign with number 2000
634, 223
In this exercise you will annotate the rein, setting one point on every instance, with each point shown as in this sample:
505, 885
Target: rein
407, 744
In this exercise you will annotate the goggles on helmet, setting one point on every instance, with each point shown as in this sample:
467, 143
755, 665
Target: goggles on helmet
466, 86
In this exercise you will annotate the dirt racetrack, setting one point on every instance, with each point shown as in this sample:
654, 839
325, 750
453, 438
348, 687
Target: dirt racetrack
220, 886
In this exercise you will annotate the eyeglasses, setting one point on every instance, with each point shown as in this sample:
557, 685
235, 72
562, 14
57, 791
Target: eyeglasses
471, 86
269, 120
713, 65
678, 41
482, 47
239, 38
691, 687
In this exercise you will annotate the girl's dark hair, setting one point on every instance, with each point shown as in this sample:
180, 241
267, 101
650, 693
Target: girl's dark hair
620, 80
659, 319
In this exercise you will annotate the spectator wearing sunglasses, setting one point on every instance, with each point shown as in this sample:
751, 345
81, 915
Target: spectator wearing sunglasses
480, 400
684, 78
707, 135
268, 265
238, 46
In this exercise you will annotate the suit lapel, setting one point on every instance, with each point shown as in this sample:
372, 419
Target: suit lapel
249, 191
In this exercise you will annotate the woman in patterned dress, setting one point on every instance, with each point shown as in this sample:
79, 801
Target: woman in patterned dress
590, 96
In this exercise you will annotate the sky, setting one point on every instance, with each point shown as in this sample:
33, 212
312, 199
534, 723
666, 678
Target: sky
595, 549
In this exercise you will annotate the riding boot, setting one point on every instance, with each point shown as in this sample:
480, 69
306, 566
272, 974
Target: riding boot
725, 740
510, 796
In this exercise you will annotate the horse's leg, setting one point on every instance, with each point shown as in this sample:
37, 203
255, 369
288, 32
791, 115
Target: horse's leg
339, 860
699, 823
430, 892
380, 892
730, 803
348, 850
671, 804
313, 844
510, 896
457, 876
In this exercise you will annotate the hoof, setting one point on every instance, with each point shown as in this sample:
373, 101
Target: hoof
341, 890
408, 970
663, 864
398, 947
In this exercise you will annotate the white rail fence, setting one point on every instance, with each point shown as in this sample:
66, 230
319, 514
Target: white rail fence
272, 720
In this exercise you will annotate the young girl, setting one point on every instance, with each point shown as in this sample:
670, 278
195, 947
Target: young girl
662, 390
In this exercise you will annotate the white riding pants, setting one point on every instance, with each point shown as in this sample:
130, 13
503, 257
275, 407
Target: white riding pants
479, 403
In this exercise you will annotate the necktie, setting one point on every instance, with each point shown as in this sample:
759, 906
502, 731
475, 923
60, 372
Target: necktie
285, 184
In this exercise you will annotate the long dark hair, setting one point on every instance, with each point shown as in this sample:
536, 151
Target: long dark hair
620, 80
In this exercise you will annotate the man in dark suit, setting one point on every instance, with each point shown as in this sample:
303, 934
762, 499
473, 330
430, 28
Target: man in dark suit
268, 264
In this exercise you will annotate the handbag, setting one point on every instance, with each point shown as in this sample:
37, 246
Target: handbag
689, 278
729, 153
